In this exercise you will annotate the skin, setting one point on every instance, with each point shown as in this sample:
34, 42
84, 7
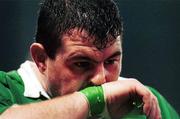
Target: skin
79, 63
82, 64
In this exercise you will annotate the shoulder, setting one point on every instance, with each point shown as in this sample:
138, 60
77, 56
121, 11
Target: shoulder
9, 83
9, 78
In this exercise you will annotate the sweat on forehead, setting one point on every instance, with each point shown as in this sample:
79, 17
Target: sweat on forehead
82, 35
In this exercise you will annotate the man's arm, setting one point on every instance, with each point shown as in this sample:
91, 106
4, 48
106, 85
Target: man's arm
72, 106
117, 96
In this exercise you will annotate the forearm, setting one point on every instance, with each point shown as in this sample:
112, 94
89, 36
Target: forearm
66, 107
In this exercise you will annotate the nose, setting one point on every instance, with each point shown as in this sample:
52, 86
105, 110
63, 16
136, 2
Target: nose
99, 76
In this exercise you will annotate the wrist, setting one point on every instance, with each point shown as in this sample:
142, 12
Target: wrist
95, 98
84, 103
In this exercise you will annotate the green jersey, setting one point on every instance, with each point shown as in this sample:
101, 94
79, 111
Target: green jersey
12, 92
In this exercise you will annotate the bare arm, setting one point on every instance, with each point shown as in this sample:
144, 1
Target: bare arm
75, 106
72, 106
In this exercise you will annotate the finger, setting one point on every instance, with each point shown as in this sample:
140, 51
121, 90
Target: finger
159, 114
153, 109
140, 90
147, 106
150, 104
146, 95
158, 111
155, 112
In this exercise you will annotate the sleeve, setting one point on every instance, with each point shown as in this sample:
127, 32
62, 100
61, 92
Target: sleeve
6, 97
167, 111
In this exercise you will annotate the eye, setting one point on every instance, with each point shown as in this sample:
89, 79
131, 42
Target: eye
109, 62
84, 65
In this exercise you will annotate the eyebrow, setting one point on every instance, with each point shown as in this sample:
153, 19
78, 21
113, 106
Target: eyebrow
80, 56
117, 53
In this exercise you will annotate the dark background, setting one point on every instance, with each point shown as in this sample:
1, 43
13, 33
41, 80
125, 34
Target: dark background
151, 40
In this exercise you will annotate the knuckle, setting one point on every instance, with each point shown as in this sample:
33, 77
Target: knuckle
134, 80
159, 117
148, 94
155, 99
147, 109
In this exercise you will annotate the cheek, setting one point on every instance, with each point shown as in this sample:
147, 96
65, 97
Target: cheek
54, 88
113, 72
64, 84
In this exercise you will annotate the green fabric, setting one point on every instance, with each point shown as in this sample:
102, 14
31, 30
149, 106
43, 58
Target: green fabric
167, 111
12, 89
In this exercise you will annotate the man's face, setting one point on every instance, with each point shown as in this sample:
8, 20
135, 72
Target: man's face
79, 63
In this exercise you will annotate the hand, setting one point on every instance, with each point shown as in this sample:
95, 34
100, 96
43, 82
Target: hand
120, 94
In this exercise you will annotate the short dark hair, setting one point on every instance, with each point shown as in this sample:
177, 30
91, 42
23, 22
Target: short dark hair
99, 18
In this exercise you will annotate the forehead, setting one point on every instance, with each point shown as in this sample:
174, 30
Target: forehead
79, 43
81, 36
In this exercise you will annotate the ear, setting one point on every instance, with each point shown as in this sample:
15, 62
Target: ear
39, 56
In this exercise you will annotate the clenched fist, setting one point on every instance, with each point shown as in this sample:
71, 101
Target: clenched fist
121, 93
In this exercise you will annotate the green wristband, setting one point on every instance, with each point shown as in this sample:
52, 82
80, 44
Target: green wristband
95, 97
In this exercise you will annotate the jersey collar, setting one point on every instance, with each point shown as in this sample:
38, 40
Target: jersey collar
32, 87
